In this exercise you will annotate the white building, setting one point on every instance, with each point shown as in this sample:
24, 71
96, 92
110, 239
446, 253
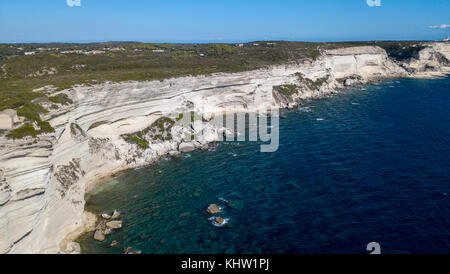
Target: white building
7, 118
30, 53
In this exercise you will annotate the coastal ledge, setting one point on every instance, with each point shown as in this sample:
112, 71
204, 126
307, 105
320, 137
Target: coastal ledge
88, 145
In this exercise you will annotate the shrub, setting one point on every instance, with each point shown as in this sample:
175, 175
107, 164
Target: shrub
45, 127
31, 111
23, 131
287, 89
61, 98
141, 142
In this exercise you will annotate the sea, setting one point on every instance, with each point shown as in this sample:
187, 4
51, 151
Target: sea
368, 165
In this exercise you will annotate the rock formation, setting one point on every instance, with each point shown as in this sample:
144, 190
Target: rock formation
112, 127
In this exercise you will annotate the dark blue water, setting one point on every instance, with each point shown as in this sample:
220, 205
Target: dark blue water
375, 169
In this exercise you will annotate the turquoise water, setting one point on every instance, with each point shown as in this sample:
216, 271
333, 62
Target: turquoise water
363, 166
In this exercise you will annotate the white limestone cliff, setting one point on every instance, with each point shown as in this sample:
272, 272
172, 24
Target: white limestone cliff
43, 182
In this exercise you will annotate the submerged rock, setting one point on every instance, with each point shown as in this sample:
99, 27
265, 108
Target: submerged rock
99, 236
130, 250
213, 209
114, 243
127, 249
236, 204
114, 224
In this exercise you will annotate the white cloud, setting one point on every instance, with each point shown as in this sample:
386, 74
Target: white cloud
74, 3
443, 26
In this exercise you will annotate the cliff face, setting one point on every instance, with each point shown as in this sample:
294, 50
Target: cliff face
43, 181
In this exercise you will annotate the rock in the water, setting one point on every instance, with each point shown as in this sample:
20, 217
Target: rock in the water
282, 116
213, 209
114, 243
106, 216
116, 215
135, 252
114, 224
174, 153
99, 236
185, 147
127, 249
107, 231
130, 250
219, 220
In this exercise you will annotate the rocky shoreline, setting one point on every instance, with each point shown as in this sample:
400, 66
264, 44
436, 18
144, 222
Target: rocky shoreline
48, 177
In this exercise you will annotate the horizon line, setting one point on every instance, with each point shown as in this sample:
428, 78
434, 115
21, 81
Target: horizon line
216, 41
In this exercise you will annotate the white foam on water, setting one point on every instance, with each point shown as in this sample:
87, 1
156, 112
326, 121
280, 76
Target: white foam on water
305, 109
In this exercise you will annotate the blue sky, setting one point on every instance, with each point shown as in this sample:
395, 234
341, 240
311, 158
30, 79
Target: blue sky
221, 20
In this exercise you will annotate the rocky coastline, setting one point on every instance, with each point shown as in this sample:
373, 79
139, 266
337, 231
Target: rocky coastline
113, 127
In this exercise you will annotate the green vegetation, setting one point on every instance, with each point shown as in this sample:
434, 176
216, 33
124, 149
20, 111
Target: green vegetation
311, 84
23, 131
141, 142
287, 89
31, 111
28, 130
61, 98
402, 50
122, 61
75, 130
45, 127
163, 124
158, 131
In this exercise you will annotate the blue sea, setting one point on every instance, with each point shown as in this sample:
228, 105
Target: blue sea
367, 165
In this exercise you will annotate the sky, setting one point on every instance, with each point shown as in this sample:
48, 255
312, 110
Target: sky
222, 20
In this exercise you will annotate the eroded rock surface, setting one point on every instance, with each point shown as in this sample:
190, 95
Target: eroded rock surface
43, 181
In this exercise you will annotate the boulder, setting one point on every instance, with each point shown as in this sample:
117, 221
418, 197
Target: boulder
174, 153
114, 224
106, 216
99, 236
107, 231
219, 220
114, 243
186, 147
116, 215
213, 209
